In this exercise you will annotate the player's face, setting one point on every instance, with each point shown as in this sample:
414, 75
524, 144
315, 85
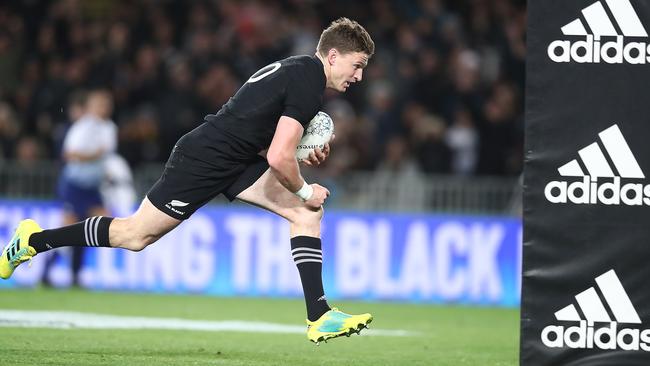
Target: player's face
101, 104
347, 69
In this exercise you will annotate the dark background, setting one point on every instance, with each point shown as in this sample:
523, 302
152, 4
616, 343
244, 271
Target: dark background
441, 67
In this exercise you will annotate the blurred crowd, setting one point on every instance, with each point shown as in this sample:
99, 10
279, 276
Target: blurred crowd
443, 93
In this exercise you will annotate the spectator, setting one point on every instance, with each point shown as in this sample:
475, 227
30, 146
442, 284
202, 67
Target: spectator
90, 139
462, 138
167, 62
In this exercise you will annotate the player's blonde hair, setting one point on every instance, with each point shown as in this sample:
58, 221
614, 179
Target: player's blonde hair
346, 36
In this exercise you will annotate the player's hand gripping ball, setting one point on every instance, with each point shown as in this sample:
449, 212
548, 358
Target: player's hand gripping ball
316, 135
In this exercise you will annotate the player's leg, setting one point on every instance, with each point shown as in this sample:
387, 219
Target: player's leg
135, 232
185, 185
78, 252
76, 201
305, 224
69, 218
95, 208
144, 227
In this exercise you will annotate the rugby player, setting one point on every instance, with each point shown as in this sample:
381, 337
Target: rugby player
245, 151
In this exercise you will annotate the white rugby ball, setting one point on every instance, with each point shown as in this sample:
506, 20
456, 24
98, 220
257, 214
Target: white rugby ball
316, 135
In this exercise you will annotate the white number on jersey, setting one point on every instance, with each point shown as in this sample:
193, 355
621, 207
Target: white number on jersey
264, 72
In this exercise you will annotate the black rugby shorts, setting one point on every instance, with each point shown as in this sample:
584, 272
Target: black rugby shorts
188, 183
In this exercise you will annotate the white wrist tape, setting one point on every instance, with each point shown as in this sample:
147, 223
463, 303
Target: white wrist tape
305, 192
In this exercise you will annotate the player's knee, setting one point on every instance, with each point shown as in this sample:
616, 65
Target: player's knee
135, 245
307, 217
139, 242
129, 235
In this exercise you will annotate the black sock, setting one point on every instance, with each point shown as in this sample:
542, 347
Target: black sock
92, 232
308, 256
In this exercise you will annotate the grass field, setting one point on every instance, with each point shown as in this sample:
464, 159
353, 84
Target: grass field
441, 335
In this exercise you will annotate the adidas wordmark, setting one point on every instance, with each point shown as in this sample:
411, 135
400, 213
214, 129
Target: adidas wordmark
615, 48
597, 329
589, 190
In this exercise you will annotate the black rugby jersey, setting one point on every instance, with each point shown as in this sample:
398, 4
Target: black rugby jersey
245, 125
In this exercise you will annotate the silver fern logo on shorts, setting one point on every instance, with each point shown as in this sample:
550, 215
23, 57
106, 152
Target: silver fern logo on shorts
173, 206
177, 203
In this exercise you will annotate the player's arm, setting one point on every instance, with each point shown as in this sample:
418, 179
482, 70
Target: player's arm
282, 161
282, 153
78, 156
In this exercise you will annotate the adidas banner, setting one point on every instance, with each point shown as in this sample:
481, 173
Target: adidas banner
586, 282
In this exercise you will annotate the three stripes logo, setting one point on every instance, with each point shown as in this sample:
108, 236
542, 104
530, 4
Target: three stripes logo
589, 190
598, 327
604, 29
305, 254
91, 226
12, 250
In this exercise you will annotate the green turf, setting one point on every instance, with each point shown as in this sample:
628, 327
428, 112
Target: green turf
447, 335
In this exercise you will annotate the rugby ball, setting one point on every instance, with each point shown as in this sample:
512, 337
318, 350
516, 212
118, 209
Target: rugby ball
316, 135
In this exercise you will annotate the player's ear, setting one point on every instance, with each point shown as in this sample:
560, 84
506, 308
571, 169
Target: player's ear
332, 55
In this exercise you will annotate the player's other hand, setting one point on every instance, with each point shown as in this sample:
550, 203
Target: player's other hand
318, 197
318, 156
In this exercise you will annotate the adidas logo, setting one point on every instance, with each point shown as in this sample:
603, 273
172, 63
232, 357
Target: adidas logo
607, 336
589, 190
624, 22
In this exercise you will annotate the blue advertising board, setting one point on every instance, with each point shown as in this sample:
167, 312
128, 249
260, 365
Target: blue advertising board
240, 251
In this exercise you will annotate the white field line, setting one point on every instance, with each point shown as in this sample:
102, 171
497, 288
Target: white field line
76, 320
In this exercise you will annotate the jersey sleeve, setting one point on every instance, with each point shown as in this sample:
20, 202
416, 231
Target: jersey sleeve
111, 136
303, 99
77, 140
